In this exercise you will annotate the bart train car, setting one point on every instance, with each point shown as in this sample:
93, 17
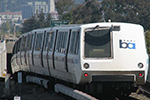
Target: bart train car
99, 53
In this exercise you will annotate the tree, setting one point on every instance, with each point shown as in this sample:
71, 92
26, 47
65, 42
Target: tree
68, 16
29, 24
132, 11
148, 41
6, 27
36, 21
89, 12
64, 6
40, 19
47, 20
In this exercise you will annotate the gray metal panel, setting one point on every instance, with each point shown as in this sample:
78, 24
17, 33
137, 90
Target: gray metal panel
100, 78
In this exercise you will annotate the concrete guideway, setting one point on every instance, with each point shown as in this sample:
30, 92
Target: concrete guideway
76, 94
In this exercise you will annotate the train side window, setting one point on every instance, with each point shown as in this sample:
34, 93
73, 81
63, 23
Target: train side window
14, 48
74, 43
38, 42
28, 47
30, 42
65, 40
61, 42
23, 41
58, 42
26, 43
51, 41
48, 36
77, 43
19, 42
17, 46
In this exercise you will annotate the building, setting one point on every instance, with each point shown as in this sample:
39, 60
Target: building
51, 6
36, 7
13, 16
27, 11
33, 7
40, 7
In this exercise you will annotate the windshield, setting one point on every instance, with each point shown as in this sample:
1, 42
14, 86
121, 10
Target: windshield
97, 43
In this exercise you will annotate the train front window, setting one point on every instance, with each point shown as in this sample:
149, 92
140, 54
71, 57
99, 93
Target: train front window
97, 43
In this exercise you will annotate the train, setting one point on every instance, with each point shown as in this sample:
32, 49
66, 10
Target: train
3, 57
100, 56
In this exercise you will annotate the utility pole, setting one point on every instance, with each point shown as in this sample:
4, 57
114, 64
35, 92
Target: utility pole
14, 29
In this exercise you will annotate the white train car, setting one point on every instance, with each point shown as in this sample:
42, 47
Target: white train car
3, 58
85, 54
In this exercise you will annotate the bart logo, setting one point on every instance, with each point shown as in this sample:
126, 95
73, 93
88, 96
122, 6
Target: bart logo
126, 45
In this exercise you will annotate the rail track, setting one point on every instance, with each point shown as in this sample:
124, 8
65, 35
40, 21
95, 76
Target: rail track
37, 92
79, 95
146, 88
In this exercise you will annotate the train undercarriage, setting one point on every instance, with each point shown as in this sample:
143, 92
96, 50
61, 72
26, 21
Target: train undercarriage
93, 88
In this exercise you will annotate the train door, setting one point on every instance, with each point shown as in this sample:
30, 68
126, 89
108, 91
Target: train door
30, 47
38, 49
14, 58
27, 46
45, 50
61, 50
73, 55
18, 53
22, 53
51, 48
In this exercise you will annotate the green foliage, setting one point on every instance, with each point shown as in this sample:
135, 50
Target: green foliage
148, 41
29, 24
7, 27
63, 6
89, 12
41, 18
68, 16
47, 20
132, 11
35, 22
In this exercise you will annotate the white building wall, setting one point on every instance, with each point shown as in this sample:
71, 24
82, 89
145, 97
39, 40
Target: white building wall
51, 6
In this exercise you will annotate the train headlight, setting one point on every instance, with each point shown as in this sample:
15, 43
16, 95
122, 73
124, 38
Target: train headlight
140, 65
86, 65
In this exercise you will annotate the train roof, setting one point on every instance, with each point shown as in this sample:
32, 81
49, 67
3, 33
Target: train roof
94, 24
103, 24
